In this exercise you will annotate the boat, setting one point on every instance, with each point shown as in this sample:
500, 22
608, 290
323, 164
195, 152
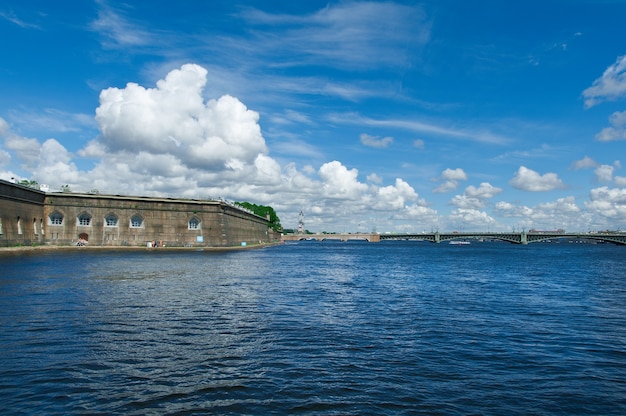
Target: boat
459, 243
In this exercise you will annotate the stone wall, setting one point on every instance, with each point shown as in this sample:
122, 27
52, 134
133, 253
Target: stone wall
22, 221
114, 220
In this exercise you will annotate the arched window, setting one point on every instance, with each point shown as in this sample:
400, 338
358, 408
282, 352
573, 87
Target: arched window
84, 219
136, 221
110, 220
56, 218
194, 224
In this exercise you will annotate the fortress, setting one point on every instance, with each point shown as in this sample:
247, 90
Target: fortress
33, 217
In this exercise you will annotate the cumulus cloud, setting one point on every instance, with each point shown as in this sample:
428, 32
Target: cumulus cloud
40, 161
471, 217
610, 86
173, 119
584, 163
395, 196
26, 149
620, 181
610, 203
340, 182
374, 178
476, 197
454, 174
604, 173
528, 180
508, 209
484, 191
562, 213
617, 131
463, 201
376, 141
450, 178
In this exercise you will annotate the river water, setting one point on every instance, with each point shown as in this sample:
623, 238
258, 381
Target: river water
320, 328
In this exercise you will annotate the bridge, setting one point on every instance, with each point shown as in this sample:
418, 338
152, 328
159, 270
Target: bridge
516, 238
371, 237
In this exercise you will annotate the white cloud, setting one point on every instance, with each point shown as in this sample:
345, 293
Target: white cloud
173, 119
26, 150
375, 141
562, 213
394, 196
442, 129
610, 86
11, 17
510, 210
340, 182
117, 31
471, 217
374, 178
346, 34
454, 174
475, 198
446, 186
604, 173
617, 131
419, 143
610, 203
484, 191
584, 163
450, 178
620, 181
465, 202
528, 180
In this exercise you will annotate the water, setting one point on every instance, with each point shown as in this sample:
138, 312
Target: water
316, 328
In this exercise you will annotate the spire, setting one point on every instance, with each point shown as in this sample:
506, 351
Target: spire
301, 223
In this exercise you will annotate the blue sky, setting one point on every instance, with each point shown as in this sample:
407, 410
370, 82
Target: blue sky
389, 116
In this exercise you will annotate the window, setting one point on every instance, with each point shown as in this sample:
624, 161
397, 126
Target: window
56, 218
136, 222
194, 224
110, 220
84, 219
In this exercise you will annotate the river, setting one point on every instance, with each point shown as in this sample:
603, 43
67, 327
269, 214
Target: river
319, 328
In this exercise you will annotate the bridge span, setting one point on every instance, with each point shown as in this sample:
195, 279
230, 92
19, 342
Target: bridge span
516, 238
371, 237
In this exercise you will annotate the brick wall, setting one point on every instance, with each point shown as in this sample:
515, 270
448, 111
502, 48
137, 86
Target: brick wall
110, 220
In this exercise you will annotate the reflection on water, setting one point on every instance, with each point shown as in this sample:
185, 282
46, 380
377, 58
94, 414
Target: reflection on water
316, 328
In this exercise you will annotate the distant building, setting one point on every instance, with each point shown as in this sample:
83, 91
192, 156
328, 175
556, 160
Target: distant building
36, 217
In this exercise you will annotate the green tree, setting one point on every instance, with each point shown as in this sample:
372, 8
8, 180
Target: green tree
30, 184
263, 211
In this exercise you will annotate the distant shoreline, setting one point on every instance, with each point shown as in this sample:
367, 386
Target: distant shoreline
21, 249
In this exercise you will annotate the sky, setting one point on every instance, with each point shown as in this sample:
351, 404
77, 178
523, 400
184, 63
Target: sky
392, 116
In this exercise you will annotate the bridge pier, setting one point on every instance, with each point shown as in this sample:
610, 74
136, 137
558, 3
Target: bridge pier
523, 238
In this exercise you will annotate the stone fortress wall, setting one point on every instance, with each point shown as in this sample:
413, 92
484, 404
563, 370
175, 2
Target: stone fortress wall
32, 217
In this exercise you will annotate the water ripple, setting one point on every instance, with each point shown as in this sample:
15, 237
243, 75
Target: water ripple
320, 328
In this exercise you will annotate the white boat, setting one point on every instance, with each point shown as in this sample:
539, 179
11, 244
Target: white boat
459, 243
